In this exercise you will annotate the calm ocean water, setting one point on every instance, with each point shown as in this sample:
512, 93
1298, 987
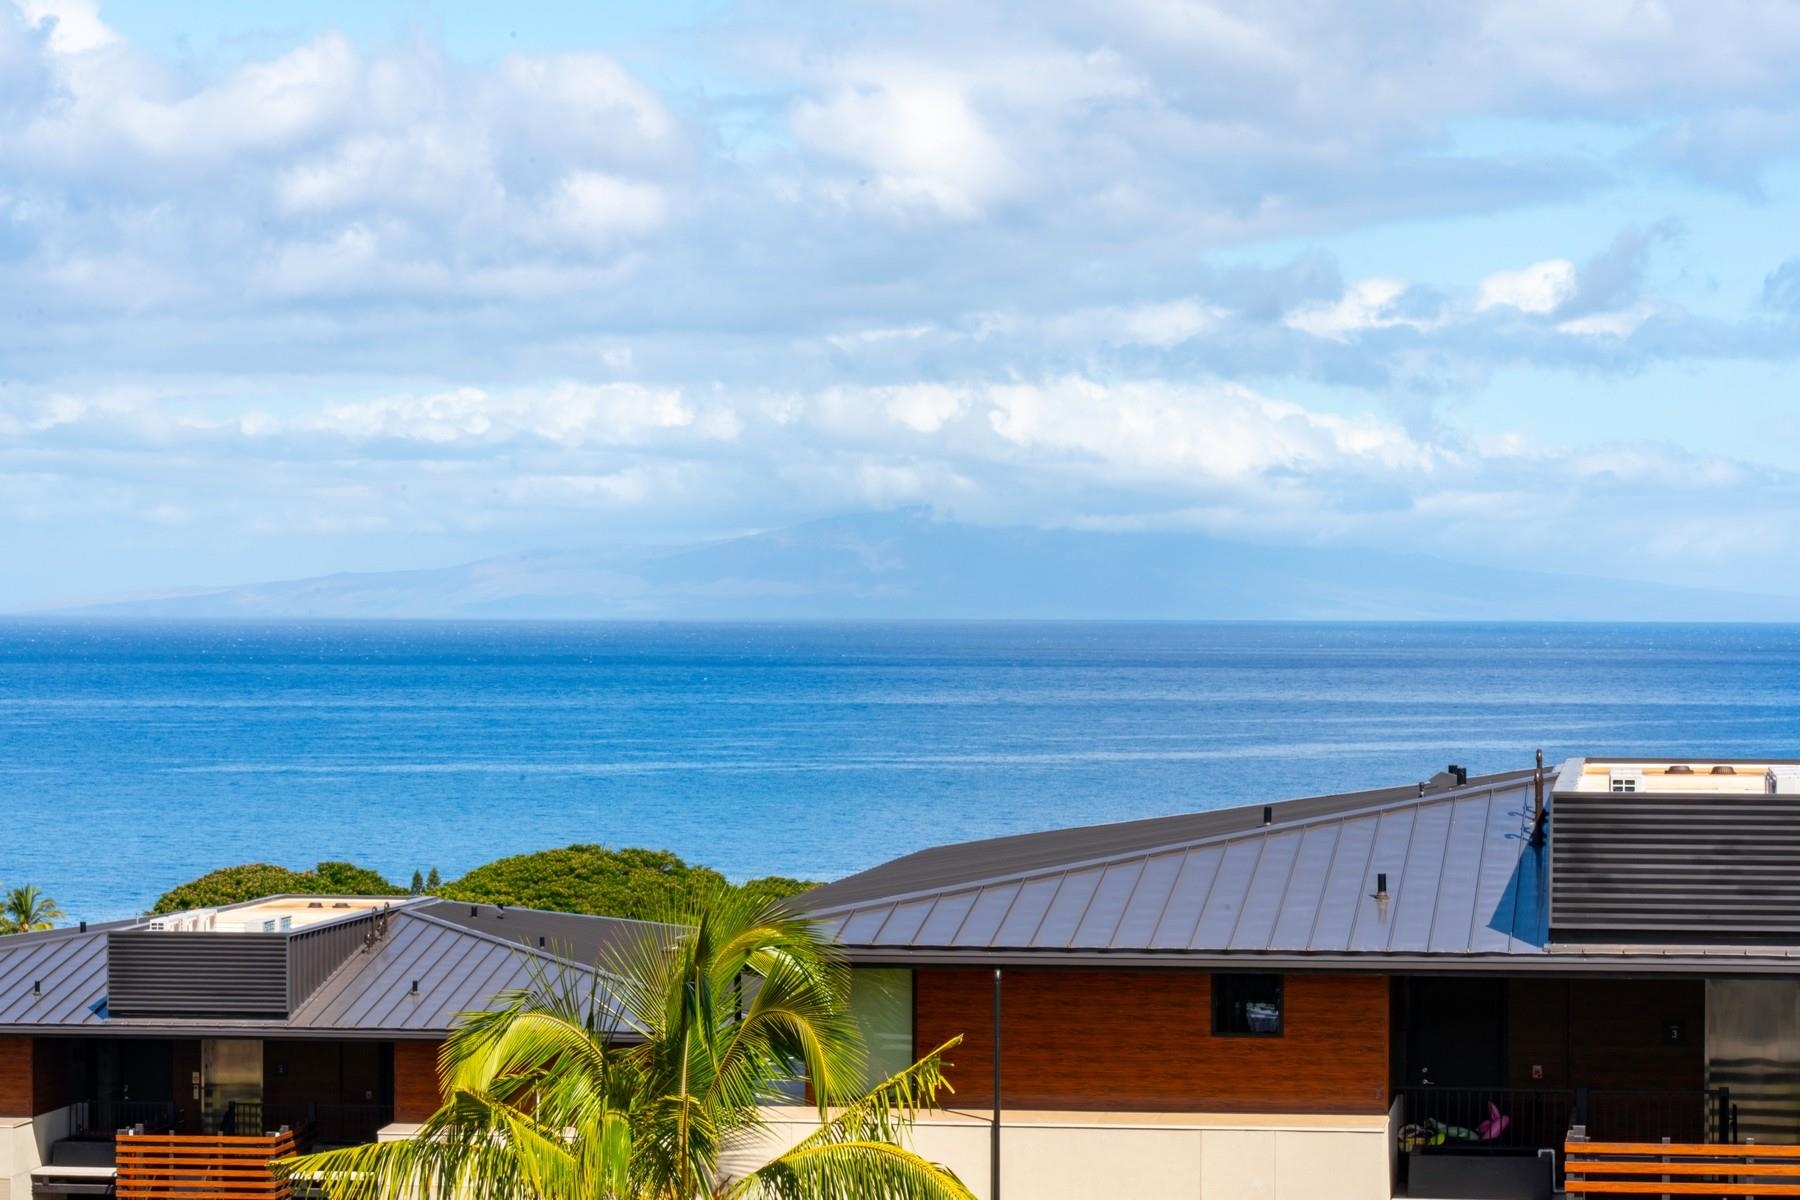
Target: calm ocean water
135, 756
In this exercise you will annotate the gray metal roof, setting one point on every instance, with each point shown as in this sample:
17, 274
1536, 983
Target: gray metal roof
1462, 880
577, 936
459, 970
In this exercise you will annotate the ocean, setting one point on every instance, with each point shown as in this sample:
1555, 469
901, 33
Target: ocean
134, 756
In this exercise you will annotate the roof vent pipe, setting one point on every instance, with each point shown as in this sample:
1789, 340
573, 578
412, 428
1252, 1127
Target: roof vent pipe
1461, 773
1537, 804
84, 927
1268, 814
1381, 892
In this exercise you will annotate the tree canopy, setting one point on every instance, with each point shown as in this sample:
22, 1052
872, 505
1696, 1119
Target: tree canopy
580, 879
233, 885
26, 910
592, 879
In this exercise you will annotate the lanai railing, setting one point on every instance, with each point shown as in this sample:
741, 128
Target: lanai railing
202, 1167
1446, 1120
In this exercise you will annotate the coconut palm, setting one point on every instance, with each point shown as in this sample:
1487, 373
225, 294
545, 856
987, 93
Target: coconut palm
633, 1082
27, 910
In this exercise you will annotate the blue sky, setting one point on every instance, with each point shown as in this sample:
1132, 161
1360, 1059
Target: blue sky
294, 288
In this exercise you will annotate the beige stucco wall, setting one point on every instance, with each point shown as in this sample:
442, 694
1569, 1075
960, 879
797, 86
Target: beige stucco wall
1146, 1156
24, 1145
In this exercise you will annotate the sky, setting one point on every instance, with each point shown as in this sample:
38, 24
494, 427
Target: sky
289, 288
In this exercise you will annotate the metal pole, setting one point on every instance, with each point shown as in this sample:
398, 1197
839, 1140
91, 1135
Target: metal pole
994, 1132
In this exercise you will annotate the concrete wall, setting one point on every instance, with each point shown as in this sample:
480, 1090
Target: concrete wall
1146, 1156
24, 1145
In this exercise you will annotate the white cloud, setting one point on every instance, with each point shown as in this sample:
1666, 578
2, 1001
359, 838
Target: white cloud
921, 139
1225, 432
569, 414
1166, 325
75, 25
598, 209
1366, 304
1540, 288
925, 407
1619, 323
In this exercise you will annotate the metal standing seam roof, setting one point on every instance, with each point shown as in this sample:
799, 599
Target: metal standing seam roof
459, 970
1462, 880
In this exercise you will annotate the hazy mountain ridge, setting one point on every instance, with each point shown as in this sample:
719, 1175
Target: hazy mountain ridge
905, 565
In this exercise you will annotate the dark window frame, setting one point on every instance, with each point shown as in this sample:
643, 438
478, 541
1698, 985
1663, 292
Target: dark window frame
1225, 990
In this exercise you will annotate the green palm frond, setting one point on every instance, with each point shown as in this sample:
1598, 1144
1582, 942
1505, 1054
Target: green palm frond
631, 1080
872, 1170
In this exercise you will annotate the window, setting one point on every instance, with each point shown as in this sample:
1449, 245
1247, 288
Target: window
1246, 1005
881, 1001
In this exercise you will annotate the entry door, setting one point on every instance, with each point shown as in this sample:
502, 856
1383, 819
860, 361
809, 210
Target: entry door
1455, 1030
231, 1072
1753, 1048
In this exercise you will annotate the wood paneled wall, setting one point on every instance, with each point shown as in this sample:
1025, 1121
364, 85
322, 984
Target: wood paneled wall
1141, 1041
40, 1075
15, 1077
416, 1092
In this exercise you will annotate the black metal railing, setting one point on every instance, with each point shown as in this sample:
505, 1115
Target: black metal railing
1687, 1116
110, 1116
1485, 1120
322, 1124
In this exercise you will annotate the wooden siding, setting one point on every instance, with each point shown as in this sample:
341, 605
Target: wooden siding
1141, 1041
15, 1077
185, 1167
416, 1093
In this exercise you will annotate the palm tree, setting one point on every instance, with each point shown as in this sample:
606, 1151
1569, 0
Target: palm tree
630, 1082
28, 909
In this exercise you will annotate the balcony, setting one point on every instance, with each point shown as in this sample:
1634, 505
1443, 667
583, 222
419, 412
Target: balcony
171, 1166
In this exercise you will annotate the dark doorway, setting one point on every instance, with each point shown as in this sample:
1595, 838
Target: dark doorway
1455, 1034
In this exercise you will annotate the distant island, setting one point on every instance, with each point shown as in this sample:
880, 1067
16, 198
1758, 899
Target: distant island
906, 565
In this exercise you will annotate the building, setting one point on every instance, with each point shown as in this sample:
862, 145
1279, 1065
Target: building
1418, 990
315, 1012
1324, 997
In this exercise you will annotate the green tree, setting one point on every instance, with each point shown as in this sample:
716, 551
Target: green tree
603, 882
233, 885
433, 881
418, 884
546, 1101
27, 909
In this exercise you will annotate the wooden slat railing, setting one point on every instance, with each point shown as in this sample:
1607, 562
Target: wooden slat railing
1679, 1169
203, 1167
